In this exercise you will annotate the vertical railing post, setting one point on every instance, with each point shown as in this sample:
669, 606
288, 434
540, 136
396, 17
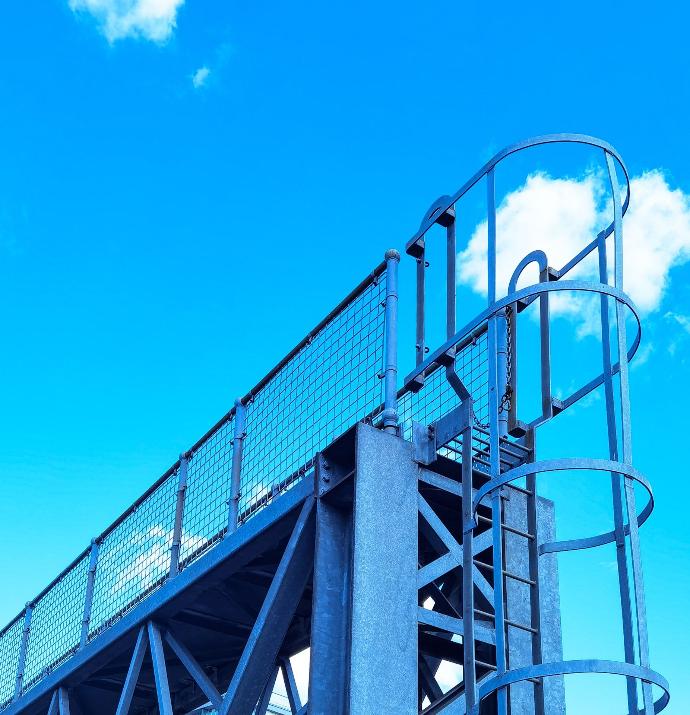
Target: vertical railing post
390, 412
626, 441
236, 473
502, 371
179, 513
88, 597
468, 523
23, 647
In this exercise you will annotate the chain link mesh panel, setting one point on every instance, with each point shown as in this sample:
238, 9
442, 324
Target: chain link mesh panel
134, 558
10, 642
206, 506
437, 398
330, 384
56, 624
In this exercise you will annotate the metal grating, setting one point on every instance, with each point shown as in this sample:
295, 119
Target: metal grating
56, 624
134, 558
205, 516
332, 382
436, 398
10, 640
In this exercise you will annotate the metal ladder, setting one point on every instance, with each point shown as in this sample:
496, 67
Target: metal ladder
512, 455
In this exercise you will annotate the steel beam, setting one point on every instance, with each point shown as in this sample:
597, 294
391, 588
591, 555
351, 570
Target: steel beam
133, 672
260, 652
290, 685
63, 701
331, 617
265, 699
194, 669
160, 671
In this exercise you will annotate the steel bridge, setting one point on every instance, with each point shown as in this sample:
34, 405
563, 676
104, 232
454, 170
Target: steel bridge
387, 528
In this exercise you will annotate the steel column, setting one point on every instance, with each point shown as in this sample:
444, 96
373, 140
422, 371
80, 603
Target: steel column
331, 610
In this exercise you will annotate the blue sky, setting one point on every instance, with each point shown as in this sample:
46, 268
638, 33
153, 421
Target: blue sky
187, 187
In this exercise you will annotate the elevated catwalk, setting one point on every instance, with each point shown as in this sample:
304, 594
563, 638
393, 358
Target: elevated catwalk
394, 531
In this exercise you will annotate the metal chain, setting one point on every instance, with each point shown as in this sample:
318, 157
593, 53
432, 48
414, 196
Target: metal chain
505, 403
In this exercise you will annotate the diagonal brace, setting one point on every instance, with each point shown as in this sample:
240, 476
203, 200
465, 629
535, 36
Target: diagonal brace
194, 669
267, 635
133, 672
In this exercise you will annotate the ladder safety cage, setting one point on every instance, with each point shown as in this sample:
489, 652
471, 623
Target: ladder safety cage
492, 442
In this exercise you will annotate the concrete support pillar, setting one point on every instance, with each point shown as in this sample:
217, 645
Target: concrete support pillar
364, 620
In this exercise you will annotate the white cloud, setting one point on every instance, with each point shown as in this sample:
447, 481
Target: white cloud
147, 19
200, 76
682, 320
561, 216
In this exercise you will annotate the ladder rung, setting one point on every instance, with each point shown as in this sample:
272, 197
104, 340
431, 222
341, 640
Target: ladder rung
482, 564
518, 532
521, 579
522, 627
507, 574
507, 622
479, 612
482, 664
511, 529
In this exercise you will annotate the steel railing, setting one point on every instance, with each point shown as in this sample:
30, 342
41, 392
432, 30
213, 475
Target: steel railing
329, 381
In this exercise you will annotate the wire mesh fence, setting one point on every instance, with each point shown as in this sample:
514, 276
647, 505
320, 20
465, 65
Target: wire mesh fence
330, 384
205, 516
437, 398
10, 641
134, 558
332, 380
56, 624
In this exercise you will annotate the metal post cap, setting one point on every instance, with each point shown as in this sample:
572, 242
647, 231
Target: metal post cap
392, 255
